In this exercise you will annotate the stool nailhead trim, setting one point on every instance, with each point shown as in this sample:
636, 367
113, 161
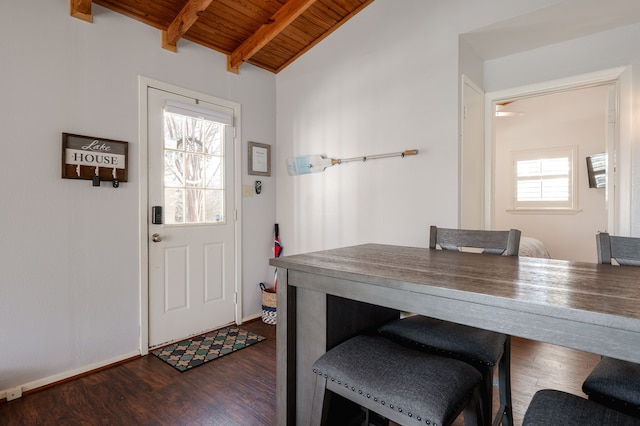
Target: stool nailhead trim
368, 395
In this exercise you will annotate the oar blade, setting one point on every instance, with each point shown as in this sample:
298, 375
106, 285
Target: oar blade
307, 164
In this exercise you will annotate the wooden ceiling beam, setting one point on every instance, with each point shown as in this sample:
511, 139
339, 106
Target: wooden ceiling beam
81, 9
267, 32
182, 22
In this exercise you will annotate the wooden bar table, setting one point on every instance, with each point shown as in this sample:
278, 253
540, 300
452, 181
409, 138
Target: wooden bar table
328, 296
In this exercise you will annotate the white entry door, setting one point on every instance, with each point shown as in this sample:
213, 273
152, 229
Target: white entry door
192, 216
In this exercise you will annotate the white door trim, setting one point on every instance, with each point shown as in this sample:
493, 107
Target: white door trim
463, 142
144, 83
619, 205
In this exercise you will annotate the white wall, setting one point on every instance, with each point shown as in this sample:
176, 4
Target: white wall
70, 268
574, 118
388, 81
385, 82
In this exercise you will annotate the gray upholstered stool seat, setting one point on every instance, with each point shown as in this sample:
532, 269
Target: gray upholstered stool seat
615, 383
480, 348
399, 383
551, 407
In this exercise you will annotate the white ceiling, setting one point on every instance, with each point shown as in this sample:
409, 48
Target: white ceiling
565, 20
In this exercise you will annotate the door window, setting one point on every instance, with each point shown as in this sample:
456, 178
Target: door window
193, 168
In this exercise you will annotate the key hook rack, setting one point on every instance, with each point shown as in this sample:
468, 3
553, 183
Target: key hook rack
94, 159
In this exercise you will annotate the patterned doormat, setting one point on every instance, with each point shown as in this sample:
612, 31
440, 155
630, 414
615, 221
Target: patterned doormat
196, 351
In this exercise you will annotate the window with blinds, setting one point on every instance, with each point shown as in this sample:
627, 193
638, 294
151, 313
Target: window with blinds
194, 160
544, 179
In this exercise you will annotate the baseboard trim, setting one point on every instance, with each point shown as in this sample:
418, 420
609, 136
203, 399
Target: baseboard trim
252, 318
66, 376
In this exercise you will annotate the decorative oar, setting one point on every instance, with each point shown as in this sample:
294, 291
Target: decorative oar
318, 163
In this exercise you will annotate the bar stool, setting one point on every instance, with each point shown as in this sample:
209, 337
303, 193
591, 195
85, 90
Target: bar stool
616, 384
480, 348
551, 407
401, 384
613, 382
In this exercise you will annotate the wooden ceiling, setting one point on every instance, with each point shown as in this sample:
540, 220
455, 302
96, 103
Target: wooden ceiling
269, 34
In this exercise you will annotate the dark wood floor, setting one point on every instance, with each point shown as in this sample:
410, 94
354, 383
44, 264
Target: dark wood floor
239, 389
536, 365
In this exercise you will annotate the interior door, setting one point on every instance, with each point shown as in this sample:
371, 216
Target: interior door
192, 220
472, 157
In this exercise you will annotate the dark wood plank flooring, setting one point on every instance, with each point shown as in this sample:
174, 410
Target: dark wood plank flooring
537, 365
239, 389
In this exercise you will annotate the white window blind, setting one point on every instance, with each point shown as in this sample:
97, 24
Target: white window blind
544, 179
216, 113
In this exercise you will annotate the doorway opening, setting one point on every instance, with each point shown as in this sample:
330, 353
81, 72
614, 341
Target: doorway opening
614, 87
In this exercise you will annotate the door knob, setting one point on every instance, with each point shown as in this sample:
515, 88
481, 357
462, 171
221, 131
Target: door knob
156, 238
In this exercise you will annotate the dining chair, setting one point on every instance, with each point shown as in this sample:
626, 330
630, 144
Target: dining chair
552, 407
480, 348
624, 250
400, 384
614, 382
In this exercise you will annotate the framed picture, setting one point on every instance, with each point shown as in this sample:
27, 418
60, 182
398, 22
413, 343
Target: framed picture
259, 159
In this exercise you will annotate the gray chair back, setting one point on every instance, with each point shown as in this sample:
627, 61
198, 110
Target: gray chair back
492, 242
625, 250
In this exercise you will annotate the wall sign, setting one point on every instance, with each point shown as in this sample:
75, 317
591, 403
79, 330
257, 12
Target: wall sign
91, 158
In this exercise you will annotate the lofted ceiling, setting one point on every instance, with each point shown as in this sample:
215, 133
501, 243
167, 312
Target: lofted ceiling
269, 34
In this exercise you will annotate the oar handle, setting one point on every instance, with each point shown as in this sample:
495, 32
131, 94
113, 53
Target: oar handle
375, 157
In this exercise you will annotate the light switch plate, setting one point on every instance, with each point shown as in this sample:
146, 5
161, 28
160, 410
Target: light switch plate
247, 190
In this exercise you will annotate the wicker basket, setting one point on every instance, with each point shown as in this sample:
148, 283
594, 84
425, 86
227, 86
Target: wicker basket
269, 312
